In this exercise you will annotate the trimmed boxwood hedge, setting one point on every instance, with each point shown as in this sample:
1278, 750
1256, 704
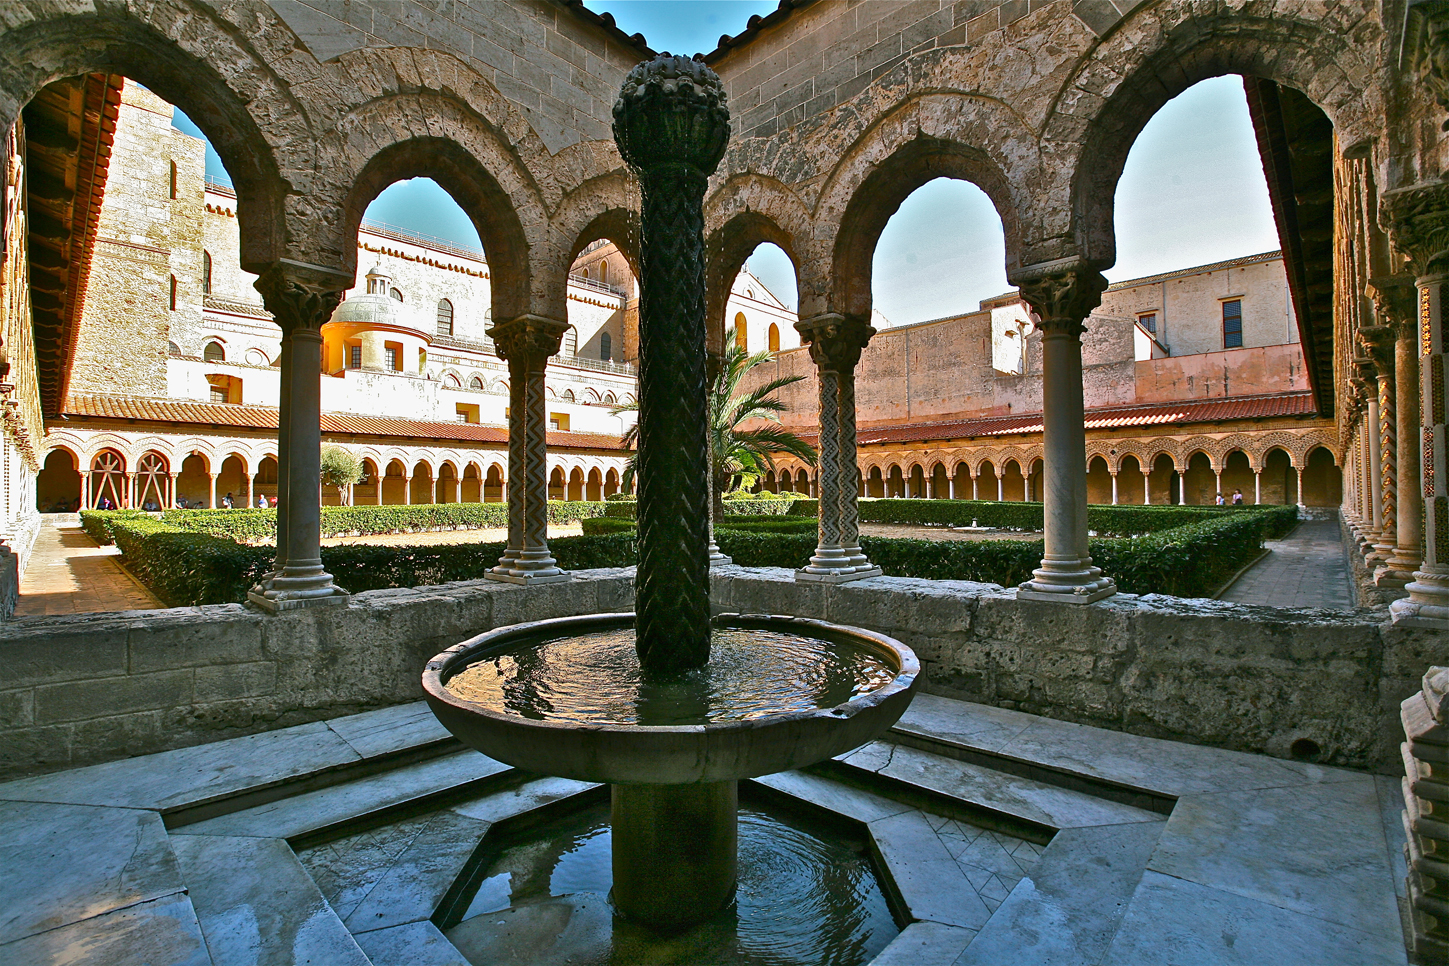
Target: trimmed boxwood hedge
1120, 520
257, 525
187, 567
793, 506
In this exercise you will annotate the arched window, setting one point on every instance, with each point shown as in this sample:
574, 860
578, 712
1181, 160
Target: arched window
610, 399
214, 352
475, 383
774, 337
445, 318
603, 271
585, 273
568, 395
397, 294
606, 347
173, 293
206, 273
742, 334
451, 381
172, 349
172, 189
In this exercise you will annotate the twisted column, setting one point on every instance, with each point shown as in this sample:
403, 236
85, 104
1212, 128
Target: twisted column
835, 343
1419, 228
301, 298
526, 344
672, 126
1061, 295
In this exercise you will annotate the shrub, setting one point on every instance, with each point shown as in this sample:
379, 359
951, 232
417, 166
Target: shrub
339, 467
259, 525
601, 525
1120, 520
98, 523
791, 506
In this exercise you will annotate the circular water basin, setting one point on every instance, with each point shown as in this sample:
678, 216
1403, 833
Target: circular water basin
566, 697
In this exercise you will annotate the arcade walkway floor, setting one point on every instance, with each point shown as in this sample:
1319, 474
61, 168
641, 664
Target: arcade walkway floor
69, 574
1009, 839
1304, 569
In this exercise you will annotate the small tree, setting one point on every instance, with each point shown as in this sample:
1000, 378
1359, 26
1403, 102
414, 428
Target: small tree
340, 468
737, 455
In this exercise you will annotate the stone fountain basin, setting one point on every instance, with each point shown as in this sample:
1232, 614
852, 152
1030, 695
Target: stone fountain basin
673, 754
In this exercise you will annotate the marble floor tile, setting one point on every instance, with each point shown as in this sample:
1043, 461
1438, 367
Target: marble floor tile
925, 944
385, 730
1022, 798
258, 907
508, 802
413, 944
60, 864
1067, 909
158, 932
978, 725
1172, 922
833, 796
171, 779
933, 886
291, 817
413, 884
1317, 850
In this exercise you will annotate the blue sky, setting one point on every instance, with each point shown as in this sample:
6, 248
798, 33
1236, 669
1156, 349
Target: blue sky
1192, 191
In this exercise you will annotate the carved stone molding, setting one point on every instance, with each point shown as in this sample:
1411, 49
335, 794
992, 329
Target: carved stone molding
1426, 44
1396, 303
1061, 294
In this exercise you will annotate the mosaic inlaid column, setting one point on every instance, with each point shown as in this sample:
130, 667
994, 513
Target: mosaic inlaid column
1061, 295
835, 343
1407, 555
301, 298
526, 344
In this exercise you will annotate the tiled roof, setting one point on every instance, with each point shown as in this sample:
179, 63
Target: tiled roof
152, 409
1114, 417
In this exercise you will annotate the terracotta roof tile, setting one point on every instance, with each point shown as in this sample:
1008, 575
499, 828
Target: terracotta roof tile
152, 409
1113, 417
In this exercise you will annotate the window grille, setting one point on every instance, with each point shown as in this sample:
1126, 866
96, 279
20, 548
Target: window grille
1233, 324
445, 318
1149, 322
606, 347
214, 352
206, 273
391, 358
354, 357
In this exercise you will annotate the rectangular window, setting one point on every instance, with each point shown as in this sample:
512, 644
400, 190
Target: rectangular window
218, 394
1149, 322
392, 358
354, 357
1233, 324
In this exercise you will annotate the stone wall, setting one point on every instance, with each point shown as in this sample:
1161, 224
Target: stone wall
87, 688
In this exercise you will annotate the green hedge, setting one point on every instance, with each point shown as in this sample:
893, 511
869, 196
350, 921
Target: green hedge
602, 525
779, 506
187, 568
1121, 520
751, 524
256, 525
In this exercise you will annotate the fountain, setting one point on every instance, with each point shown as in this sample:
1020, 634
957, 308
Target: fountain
671, 708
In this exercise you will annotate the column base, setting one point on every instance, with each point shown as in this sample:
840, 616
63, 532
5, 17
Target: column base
1398, 570
1067, 582
717, 557
535, 566
838, 576
529, 577
1427, 604
279, 593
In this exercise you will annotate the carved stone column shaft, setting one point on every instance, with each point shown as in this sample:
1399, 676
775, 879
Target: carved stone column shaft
1062, 294
301, 298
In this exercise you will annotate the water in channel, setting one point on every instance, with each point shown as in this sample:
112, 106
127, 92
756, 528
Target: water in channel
807, 896
595, 679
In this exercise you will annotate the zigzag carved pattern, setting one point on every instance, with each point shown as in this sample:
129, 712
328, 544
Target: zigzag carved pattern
517, 457
672, 582
1389, 455
829, 508
849, 509
535, 511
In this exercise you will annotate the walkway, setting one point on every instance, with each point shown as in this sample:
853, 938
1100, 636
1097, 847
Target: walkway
69, 574
1305, 569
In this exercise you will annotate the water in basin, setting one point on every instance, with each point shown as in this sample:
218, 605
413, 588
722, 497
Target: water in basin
806, 895
595, 678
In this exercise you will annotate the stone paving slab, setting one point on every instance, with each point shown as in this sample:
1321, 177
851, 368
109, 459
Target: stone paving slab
258, 907
925, 944
66, 863
1173, 922
389, 730
1021, 798
298, 815
1067, 909
930, 882
1321, 854
159, 931
416, 944
189, 776
853, 803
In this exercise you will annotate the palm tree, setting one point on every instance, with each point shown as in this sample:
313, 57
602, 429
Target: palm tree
735, 452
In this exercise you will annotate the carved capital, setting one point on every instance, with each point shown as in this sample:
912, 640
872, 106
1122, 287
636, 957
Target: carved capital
1396, 301
301, 296
1061, 294
835, 340
1377, 342
529, 339
1426, 44
1417, 220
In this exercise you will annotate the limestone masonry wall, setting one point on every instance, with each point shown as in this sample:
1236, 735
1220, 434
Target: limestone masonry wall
88, 688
